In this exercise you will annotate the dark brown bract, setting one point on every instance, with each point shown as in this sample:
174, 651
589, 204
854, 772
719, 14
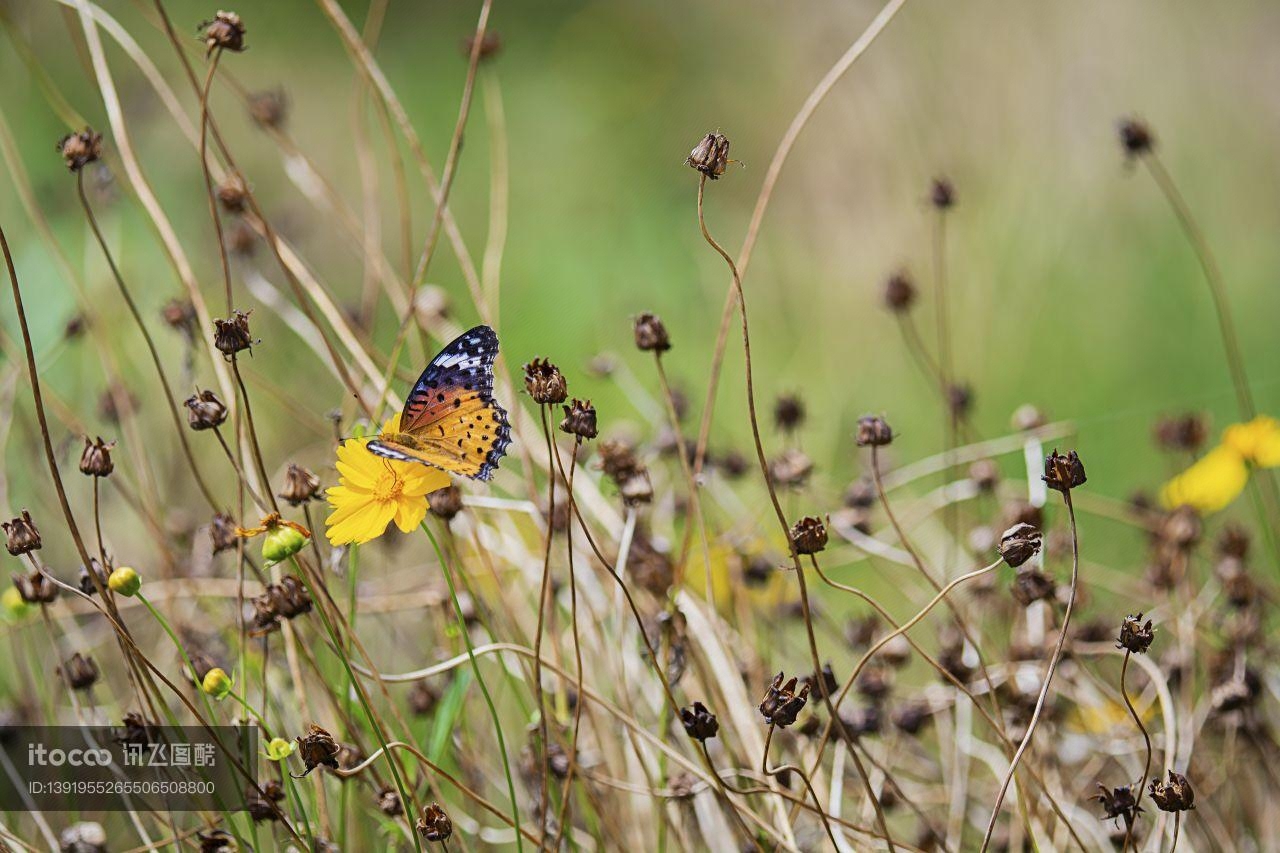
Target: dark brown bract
300, 486
1063, 473
1175, 794
783, 702
710, 156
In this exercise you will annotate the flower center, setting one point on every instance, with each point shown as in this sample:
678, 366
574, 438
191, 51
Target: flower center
388, 488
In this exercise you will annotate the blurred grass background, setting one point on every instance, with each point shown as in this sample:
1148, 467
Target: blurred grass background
1071, 284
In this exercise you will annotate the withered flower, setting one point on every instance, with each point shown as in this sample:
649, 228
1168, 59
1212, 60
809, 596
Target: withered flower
80, 672
290, 597
95, 460
388, 800
618, 459
789, 412
423, 699
267, 108
434, 825
699, 723
300, 485
1234, 542
732, 463
317, 748
1063, 473
911, 718
242, 240
222, 532
21, 535
580, 420
1136, 137
80, 149
260, 800
1019, 544
180, 315
1117, 802
545, 383
1184, 433
942, 193
861, 494
224, 32
445, 503
86, 583
1032, 585
791, 468
809, 535
651, 334
636, 488
710, 156
984, 474
1134, 635
873, 432
135, 730
1174, 795
232, 193
35, 588
783, 702
231, 336
899, 292
217, 841
205, 410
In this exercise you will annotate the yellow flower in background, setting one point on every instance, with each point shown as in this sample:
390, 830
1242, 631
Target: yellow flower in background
1218, 477
373, 491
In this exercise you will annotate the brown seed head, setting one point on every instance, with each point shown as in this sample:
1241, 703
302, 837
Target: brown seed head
899, 292
224, 32
445, 503
791, 468
942, 194
789, 412
1063, 473
651, 334
300, 486
1173, 795
388, 800
317, 748
783, 702
710, 156
268, 108
95, 460
1019, 544
80, 149
985, 474
222, 532
80, 672
1134, 635
1117, 802
699, 723
873, 432
21, 535
545, 383
36, 587
1184, 433
1031, 585
180, 315
232, 193
434, 825
205, 410
580, 420
1136, 137
231, 336
809, 535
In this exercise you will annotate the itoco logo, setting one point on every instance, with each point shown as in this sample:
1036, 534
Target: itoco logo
38, 755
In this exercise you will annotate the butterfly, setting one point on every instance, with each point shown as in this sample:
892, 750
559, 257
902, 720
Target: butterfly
450, 418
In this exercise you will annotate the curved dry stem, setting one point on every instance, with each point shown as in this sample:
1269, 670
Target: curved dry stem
1146, 770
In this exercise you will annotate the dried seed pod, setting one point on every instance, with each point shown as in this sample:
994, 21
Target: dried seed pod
445, 503
1063, 473
873, 432
942, 194
699, 723
651, 334
545, 383
232, 336
317, 748
1173, 795
710, 156
21, 535
1134, 635
80, 149
809, 535
1135, 137
580, 420
783, 701
1019, 544
233, 193
789, 412
80, 672
224, 32
268, 108
1119, 802
300, 485
205, 410
899, 292
35, 588
434, 825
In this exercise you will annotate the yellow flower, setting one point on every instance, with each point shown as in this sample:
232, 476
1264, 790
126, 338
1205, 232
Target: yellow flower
1218, 478
373, 491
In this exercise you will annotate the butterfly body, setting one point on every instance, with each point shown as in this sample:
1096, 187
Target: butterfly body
451, 419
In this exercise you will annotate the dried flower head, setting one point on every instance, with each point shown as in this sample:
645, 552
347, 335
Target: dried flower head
942, 193
434, 825
80, 672
80, 149
899, 292
205, 410
809, 535
985, 474
1031, 585
388, 801
580, 420
651, 334
224, 32
232, 193
788, 412
231, 336
445, 503
873, 431
1019, 544
21, 535
179, 315
783, 702
710, 156
36, 587
222, 532
260, 800
1136, 137
423, 698
1134, 635
699, 723
1118, 802
317, 748
268, 108
95, 459
791, 468
1184, 433
300, 486
1173, 795
1063, 473
545, 383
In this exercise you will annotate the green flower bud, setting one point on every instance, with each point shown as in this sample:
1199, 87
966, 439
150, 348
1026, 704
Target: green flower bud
281, 543
216, 683
125, 581
14, 605
279, 749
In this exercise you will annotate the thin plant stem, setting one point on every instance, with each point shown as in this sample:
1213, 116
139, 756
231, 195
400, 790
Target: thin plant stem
543, 593
208, 177
577, 659
1146, 770
804, 777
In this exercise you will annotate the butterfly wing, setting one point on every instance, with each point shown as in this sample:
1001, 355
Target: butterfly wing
452, 413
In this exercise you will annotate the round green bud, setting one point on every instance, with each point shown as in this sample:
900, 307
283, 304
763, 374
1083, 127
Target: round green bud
282, 543
216, 683
125, 581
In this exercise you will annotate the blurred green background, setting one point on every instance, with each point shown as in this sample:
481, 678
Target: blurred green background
1071, 284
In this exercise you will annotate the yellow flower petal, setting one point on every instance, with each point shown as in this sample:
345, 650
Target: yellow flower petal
409, 516
432, 479
1210, 484
1258, 441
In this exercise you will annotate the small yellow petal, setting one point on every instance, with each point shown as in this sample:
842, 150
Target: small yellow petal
432, 479
1210, 484
1258, 441
410, 515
